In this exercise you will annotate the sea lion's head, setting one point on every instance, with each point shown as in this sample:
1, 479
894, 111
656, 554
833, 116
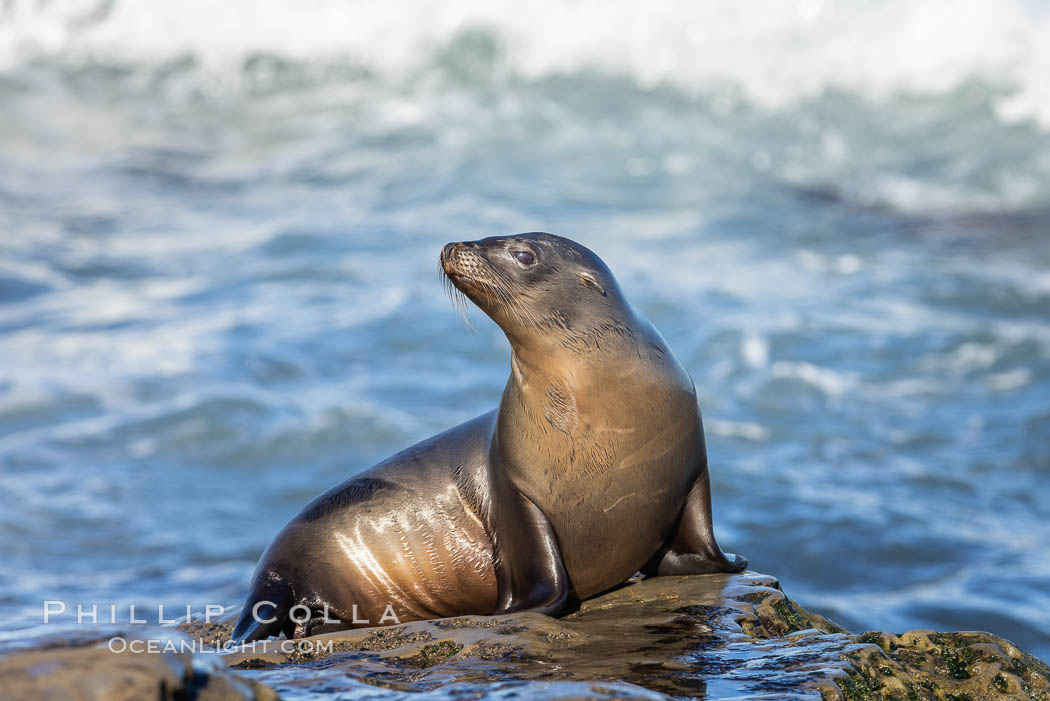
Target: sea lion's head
539, 288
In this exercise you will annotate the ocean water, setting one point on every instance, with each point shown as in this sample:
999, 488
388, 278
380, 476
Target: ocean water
219, 230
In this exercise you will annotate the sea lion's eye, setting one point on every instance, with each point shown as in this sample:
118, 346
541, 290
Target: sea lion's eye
524, 257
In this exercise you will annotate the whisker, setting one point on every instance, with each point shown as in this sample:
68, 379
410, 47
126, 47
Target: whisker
511, 301
499, 290
460, 302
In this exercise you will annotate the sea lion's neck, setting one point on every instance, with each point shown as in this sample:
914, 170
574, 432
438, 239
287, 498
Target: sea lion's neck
572, 359
555, 340
614, 356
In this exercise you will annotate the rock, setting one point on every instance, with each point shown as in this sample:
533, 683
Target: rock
922, 664
713, 636
91, 672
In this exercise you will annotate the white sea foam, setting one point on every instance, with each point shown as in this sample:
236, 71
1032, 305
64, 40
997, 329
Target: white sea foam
830, 382
1010, 380
773, 52
755, 350
737, 429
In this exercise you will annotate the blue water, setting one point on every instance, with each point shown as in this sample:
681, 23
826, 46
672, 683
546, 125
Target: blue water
219, 291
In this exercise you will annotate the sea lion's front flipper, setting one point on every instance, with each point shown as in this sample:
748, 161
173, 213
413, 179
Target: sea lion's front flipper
266, 612
530, 573
691, 548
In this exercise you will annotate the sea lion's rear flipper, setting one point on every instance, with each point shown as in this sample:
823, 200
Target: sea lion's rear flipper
530, 574
265, 614
691, 548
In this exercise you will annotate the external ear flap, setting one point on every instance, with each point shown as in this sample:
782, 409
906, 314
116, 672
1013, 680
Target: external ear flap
588, 279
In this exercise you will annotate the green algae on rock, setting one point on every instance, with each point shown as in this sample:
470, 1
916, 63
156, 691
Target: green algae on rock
922, 665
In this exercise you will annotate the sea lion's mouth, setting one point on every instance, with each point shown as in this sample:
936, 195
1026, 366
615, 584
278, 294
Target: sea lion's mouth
459, 277
466, 283
453, 274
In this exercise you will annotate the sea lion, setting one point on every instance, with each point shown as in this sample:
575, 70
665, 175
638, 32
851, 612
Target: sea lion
592, 468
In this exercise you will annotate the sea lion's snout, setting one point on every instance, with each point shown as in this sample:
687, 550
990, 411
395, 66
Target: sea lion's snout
450, 256
446, 256
461, 262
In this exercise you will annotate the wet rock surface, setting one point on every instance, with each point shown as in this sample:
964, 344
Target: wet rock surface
922, 664
711, 636
91, 672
